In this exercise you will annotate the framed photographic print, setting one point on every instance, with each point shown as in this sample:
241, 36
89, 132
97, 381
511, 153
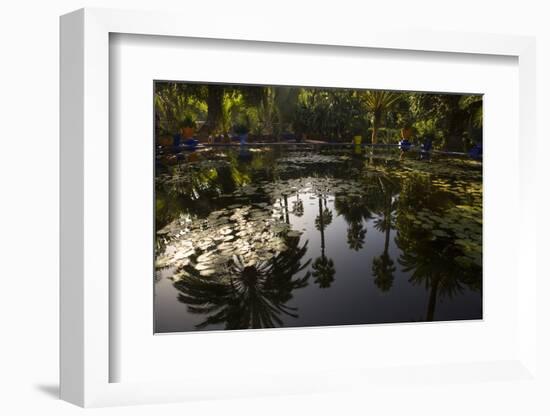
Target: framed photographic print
274, 213
271, 212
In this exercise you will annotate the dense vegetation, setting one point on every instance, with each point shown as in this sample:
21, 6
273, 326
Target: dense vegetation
453, 121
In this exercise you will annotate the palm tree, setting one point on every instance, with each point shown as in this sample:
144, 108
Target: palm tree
378, 103
323, 267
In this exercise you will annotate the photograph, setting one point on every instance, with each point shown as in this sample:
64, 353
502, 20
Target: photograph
304, 206
233, 208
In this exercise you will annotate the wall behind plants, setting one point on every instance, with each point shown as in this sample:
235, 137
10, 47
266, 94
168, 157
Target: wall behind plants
30, 176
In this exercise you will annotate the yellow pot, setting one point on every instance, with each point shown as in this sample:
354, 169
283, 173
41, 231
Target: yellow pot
357, 139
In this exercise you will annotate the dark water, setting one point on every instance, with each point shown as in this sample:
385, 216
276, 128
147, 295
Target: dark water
289, 236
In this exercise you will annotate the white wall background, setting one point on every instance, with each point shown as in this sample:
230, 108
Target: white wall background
29, 202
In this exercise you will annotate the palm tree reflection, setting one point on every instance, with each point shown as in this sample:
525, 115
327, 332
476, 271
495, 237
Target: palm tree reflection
431, 260
356, 236
354, 209
383, 266
298, 206
247, 294
431, 268
323, 267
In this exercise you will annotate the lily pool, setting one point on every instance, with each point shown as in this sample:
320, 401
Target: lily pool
303, 235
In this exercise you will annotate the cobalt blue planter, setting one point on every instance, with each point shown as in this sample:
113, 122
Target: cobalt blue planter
243, 138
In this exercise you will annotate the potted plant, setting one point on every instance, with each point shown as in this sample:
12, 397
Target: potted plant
356, 130
406, 123
164, 138
187, 127
406, 132
241, 130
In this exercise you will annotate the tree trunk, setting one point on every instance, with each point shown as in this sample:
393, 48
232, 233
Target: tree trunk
286, 209
374, 134
433, 299
322, 227
214, 102
375, 126
387, 241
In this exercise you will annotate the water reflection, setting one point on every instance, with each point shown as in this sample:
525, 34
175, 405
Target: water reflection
240, 235
247, 294
383, 267
354, 208
431, 255
323, 267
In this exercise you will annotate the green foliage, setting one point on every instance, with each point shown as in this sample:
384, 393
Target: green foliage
253, 95
400, 115
242, 124
255, 107
380, 101
267, 113
379, 104
428, 128
233, 105
336, 115
188, 122
473, 104
176, 103
286, 104
454, 121
240, 129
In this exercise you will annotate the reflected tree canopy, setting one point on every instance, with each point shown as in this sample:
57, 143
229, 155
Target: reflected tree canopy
383, 268
247, 294
439, 239
323, 267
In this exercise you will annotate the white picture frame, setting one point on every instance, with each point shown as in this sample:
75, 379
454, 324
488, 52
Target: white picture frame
85, 212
